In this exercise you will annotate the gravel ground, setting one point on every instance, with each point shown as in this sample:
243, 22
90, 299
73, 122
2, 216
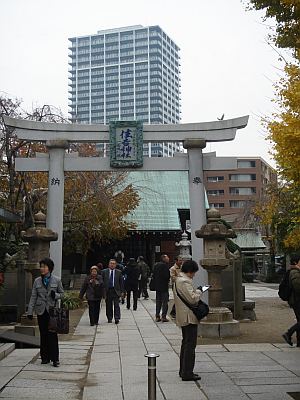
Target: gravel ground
273, 318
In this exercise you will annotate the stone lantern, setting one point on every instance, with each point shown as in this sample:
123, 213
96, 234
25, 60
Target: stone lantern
184, 247
219, 322
39, 238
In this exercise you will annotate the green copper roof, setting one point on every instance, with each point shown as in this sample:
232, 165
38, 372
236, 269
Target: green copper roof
248, 238
162, 193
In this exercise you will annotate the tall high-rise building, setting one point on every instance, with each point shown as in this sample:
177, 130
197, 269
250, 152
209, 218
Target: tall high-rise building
129, 73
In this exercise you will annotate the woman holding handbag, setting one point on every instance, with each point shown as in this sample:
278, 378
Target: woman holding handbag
46, 290
186, 319
93, 288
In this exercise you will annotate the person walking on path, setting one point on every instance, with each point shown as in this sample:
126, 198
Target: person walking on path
161, 276
132, 273
93, 288
114, 287
186, 319
46, 290
174, 273
144, 273
294, 300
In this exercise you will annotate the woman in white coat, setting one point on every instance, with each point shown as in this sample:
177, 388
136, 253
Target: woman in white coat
186, 319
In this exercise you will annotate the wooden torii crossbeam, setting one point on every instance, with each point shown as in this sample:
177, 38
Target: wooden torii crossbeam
57, 138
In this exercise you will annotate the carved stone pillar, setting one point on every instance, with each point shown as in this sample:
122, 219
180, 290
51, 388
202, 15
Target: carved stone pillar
219, 322
39, 238
184, 247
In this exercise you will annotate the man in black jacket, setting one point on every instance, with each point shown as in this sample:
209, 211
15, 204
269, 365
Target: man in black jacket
161, 275
114, 286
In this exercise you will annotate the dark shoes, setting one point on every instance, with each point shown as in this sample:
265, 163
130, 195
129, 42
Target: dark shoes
157, 318
55, 363
45, 361
117, 321
164, 319
109, 321
287, 338
194, 377
92, 324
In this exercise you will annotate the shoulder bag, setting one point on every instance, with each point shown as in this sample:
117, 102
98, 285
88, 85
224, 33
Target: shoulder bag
58, 320
200, 309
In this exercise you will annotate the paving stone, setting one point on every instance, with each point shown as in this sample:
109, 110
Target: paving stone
206, 367
271, 388
209, 348
110, 378
227, 391
267, 381
260, 374
32, 393
63, 368
270, 396
7, 373
35, 383
55, 375
243, 368
186, 391
215, 379
251, 347
201, 357
103, 392
6, 349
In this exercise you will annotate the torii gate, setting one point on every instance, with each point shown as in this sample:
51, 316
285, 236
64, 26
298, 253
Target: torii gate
57, 137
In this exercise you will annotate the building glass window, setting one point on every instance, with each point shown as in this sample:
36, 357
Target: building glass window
219, 192
246, 164
242, 190
215, 178
237, 203
242, 177
216, 205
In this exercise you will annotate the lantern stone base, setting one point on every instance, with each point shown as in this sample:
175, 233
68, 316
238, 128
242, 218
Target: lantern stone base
219, 324
28, 327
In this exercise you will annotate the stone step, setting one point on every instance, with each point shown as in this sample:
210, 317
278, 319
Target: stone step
23, 340
5, 349
13, 363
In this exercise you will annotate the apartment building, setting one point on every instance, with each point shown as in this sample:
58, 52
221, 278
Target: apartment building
234, 192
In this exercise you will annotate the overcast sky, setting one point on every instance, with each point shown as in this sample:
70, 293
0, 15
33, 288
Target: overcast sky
227, 66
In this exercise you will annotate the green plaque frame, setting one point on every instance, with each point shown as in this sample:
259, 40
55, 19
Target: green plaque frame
126, 144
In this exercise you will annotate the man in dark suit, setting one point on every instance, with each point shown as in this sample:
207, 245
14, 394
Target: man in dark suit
161, 276
113, 282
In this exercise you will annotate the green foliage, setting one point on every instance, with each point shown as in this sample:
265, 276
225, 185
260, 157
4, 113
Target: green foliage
287, 16
71, 300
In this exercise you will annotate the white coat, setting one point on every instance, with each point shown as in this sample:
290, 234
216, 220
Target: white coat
184, 286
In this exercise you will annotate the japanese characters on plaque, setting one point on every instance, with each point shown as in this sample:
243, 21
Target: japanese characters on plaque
126, 144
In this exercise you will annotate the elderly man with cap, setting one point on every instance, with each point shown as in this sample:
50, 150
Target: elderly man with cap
93, 288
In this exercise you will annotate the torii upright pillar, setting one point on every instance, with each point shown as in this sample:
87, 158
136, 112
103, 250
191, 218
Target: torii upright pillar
58, 136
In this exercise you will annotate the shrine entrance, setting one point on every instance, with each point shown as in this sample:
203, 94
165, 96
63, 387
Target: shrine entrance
126, 141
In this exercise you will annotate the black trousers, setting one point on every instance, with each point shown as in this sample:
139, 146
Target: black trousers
162, 299
296, 327
112, 305
94, 310
187, 351
135, 298
48, 340
143, 287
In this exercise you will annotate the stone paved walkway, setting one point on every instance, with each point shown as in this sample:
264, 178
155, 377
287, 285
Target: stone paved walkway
108, 363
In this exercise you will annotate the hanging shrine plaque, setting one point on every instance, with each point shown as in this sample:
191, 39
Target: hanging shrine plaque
126, 144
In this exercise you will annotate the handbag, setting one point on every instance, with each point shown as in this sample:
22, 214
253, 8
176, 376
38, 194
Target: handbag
58, 320
200, 309
152, 284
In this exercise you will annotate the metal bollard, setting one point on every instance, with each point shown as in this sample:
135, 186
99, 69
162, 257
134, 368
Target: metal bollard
151, 375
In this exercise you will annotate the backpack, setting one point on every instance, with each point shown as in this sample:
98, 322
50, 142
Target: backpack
285, 288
